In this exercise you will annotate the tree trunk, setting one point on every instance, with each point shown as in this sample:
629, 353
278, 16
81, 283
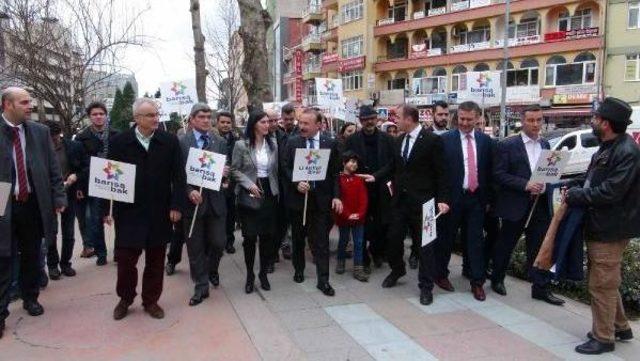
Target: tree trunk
254, 24
198, 49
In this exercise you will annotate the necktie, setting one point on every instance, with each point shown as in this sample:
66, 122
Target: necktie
205, 141
472, 170
23, 192
405, 150
311, 145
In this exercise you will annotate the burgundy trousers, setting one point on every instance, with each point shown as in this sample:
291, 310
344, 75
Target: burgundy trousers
152, 276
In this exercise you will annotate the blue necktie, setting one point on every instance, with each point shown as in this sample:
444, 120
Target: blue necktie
311, 145
205, 141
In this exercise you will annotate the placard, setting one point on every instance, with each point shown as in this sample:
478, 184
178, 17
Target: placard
550, 166
205, 169
109, 179
179, 96
329, 92
429, 233
310, 164
5, 192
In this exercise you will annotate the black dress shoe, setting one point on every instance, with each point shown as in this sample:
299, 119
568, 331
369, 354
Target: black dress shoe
248, 286
326, 289
546, 296
214, 279
264, 282
170, 268
498, 287
230, 249
426, 297
392, 279
68, 271
413, 261
101, 261
54, 274
198, 297
33, 308
298, 277
595, 347
620, 335
271, 268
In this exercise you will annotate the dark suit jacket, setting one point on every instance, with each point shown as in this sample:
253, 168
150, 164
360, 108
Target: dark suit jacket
213, 200
423, 176
78, 164
160, 187
455, 163
511, 173
325, 190
43, 171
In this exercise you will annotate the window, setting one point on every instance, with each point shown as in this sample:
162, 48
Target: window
481, 67
434, 4
580, 20
527, 27
459, 78
634, 15
351, 11
352, 47
477, 35
570, 143
398, 11
428, 85
397, 50
352, 80
632, 68
522, 77
396, 84
588, 140
582, 71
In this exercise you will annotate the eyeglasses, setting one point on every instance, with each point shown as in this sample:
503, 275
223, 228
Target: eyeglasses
149, 115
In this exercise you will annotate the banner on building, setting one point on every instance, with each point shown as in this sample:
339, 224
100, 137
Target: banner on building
179, 95
483, 87
310, 165
205, 169
550, 166
112, 180
429, 233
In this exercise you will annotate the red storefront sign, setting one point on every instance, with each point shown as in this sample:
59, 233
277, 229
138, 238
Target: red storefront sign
352, 64
297, 73
571, 34
330, 58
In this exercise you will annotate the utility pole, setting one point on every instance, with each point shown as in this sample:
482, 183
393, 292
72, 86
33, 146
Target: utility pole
505, 61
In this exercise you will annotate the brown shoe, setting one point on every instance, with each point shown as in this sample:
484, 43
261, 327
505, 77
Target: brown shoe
88, 252
121, 310
154, 311
478, 293
445, 284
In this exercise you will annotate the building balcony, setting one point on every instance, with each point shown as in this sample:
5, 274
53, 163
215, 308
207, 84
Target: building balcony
312, 43
555, 44
330, 4
330, 35
312, 71
452, 14
312, 15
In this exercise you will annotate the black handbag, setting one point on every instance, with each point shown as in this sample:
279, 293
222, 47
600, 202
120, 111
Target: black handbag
248, 201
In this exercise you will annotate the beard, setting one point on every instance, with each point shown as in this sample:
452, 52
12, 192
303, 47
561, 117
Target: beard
597, 132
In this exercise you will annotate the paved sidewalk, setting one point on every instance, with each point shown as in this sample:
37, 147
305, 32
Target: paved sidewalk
296, 322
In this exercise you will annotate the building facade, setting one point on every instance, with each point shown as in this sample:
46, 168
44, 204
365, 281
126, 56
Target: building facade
102, 86
622, 68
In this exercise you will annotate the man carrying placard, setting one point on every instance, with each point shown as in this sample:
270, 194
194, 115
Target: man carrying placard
207, 239
145, 224
322, 196
520, 198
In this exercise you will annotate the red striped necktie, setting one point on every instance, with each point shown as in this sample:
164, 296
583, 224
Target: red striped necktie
23, 192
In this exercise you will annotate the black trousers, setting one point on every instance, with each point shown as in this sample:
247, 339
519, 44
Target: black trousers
265, 242
230, 198
67, 225
375, 230
534, 234
176, 242
408, 218
26, 235
316, 232
205, 247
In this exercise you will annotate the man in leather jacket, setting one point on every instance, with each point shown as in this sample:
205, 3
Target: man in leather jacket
610, 193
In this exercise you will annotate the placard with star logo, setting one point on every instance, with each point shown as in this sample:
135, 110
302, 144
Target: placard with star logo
310, 165
205, 168
550, 166
112, 180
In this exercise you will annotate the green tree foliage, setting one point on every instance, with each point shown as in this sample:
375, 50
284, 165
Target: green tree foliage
122, 113
116, 112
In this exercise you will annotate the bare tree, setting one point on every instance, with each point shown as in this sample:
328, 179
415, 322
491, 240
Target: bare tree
225, 55
254, 24
198, 49
61, 50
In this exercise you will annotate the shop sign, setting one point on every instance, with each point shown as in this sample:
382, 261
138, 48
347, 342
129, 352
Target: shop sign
330, 58
571, 34
352, 64
566, 99
577, 89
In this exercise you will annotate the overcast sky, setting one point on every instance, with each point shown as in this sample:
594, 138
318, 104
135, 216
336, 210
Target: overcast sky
170, 56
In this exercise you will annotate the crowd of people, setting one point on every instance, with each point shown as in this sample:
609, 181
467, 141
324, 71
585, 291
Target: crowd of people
379, 176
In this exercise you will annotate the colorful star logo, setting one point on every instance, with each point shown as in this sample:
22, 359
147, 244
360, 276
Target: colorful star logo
484, 80
206, 160
313, 157
178, 88
553, 159
328, 85
113, 171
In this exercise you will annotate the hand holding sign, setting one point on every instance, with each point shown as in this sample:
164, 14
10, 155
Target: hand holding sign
549, 168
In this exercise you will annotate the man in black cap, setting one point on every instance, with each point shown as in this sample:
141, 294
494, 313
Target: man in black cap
375, 149
610, 193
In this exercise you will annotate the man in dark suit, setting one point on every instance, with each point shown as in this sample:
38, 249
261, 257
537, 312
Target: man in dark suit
515, 159
440, 111
28, 163
323, 197
74, 167
419, 176
224, 126
376, 152
286, 131
206, 245
468, 153
159, 201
